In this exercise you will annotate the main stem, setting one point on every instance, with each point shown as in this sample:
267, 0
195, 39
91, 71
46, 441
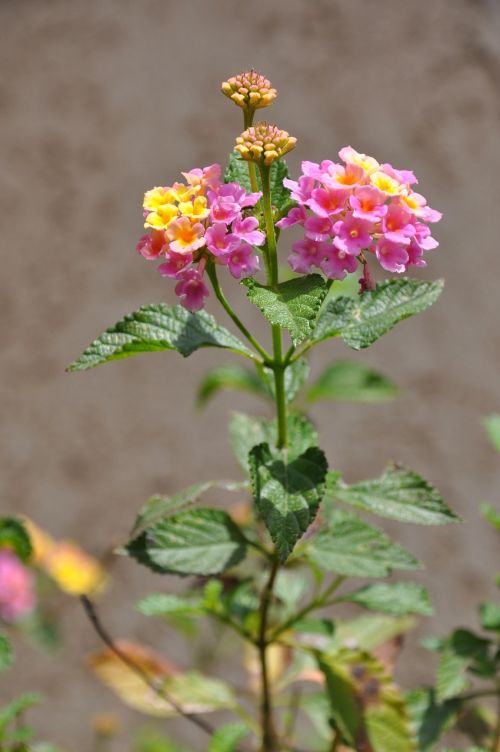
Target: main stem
269, 741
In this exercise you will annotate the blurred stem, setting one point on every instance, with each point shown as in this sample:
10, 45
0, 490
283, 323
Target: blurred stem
495, 747
212, 273
319, 602
248, 120
269, 741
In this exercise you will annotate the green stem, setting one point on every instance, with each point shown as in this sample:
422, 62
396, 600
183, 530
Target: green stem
212, 273
269, 221
269, 741
319, 602
248, 120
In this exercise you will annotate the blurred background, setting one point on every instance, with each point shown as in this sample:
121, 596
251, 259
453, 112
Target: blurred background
102, 99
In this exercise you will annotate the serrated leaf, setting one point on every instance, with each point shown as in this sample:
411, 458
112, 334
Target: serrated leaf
292, 305
489, 615
246, 431
361, 321
191, 691
154, 328
163, 604
399, 494
227, 737
158, 507
352, 547
348, 381
13, 535
199, 541
492, 426
287, 493
430, 718
237, 172
6, 656
398, 598
230, 377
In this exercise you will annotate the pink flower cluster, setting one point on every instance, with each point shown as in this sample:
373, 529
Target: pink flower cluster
196, 221
17, 593
357, 207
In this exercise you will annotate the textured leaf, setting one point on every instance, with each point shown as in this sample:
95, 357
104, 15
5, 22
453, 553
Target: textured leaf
157, 327
13, 535
361, 321
287, 493
352, 547
6, 656
158, 507
237, 172
191, 691
489, 614
292, 305
246, 431
399, 494
230, 377
347, 381
492, 425
227, 737
198, 541
393, 598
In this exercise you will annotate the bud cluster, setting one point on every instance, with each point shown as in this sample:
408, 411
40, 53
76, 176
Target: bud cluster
249, 90
264, 143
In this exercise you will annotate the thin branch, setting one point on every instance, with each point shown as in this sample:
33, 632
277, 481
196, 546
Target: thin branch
157, 688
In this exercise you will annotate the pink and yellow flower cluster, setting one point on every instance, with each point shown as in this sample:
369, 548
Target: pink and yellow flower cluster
355, 207
200, 220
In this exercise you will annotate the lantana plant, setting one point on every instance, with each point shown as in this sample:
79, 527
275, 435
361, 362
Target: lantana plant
272, 569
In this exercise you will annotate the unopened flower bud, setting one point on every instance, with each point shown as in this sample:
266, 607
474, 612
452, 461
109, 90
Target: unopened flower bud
249, 90
264, 143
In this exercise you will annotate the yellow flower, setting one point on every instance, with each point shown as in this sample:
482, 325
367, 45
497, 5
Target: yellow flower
158, 197
162, 217
385, 183
196, 209
182, 192
74, 571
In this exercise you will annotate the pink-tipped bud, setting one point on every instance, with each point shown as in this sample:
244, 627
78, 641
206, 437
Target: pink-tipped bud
264, 143
249, 90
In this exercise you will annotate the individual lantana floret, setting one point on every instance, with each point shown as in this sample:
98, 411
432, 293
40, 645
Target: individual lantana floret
17, 590
264, 143
196, 222
354, 209
249, 90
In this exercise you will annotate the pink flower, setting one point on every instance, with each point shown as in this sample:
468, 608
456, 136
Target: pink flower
224, 210
151, 245
367, 202
392, 256
175, 263
349, 176
397, 224
191, 289
327, 201
184, 236
301, 189
242, 261
318, 228
296, 216
208, 177
336, 263
237, 194
424, 238
246, 229
219, 240
352, 234
306, 255
415, 253
17, 594
402, 176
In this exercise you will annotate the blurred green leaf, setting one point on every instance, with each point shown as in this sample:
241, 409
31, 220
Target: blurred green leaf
161, 604
348, 381
230, 377
492, 426
489, 614
491, 515
13, 535
6, 656
398, 598
227, 737
431, 719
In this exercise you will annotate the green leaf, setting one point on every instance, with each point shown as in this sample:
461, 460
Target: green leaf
227, 737
431, 719
461, 652
165, 605
347, 381
399, 494
292, 305
13, 535
287, 493
361, 321
352, 547
451, 675
489, 614
154, 328
230, 377
492, 426
491, 515
388, 727
237, 172
345, 708
157, 507
6, 656
246, 431
198, 541
393, 598
368, 632
16, 707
